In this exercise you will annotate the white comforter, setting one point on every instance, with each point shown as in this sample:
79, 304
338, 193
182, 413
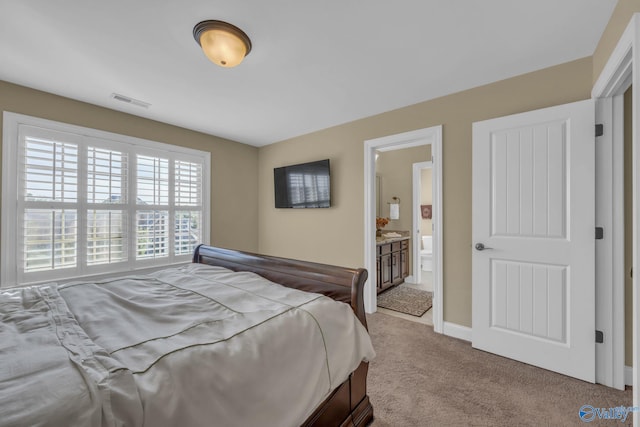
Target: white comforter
190, 346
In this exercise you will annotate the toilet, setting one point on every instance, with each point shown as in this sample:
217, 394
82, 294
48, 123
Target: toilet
426, 253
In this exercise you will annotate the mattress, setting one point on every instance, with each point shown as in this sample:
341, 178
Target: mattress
194, 346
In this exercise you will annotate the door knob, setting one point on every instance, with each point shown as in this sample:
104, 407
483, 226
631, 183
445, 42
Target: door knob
481, 247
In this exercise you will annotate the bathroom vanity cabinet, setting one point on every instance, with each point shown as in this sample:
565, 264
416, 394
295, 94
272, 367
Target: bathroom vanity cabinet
392, 262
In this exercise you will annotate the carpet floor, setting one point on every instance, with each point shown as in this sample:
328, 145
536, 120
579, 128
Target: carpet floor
420, 378
406, 300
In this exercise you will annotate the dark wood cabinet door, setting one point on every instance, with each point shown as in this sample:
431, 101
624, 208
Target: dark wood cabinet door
396, 268
386, 271
404, 262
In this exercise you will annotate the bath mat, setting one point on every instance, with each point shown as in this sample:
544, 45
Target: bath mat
406, 300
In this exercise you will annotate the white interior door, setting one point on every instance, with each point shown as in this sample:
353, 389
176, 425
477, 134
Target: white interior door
533, 213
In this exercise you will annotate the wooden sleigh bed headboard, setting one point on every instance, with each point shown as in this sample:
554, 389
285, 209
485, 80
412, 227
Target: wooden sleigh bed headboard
349, 403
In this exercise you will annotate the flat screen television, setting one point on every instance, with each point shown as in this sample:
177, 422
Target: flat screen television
306, 185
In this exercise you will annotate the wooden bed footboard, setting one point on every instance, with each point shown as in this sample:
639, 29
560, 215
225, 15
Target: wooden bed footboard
349, 404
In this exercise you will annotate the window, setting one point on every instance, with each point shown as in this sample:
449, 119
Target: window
78, 202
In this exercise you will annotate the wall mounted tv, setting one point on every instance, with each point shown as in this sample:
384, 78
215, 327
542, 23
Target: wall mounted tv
306, 185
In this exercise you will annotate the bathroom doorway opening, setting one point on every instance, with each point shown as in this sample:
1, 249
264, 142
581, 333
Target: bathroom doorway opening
429, 136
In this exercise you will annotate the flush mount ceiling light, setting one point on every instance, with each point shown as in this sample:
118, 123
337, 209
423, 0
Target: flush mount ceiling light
224, 44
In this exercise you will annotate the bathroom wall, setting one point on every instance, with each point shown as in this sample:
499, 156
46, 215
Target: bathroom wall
396, 170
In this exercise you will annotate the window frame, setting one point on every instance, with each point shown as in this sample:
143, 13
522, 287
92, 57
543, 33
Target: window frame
13, 123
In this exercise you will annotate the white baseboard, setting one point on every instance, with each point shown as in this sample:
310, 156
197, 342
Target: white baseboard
457, 331
628, 375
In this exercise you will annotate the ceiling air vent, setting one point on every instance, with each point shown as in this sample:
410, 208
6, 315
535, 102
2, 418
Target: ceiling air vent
128, 100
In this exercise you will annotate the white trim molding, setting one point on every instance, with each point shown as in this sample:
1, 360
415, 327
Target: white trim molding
460, 332
609, 214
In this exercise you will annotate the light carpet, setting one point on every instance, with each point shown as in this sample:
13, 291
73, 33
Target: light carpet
420, 378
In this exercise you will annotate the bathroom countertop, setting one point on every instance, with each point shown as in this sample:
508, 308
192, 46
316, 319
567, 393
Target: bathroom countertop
404, 235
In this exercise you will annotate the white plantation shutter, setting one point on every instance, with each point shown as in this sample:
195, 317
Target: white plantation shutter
51, 170
188, 231
152, 226
153, 181
106, 236
152, 234
49, 239
107, 194
106, 176
90, 202
47, 200
188, 202
188, 188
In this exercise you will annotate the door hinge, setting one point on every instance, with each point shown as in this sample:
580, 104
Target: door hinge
599, 233
599, 337
599, 129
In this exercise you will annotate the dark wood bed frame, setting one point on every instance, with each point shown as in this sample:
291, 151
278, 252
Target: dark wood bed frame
349, 404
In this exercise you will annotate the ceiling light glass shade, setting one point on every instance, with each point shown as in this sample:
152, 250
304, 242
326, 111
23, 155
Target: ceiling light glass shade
224, 44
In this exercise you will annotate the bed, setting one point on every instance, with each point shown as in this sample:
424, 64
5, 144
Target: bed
227, 340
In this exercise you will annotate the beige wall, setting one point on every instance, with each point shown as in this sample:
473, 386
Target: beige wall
234, 211
336, 235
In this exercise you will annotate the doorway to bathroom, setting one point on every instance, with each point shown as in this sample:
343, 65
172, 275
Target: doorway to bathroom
423, 137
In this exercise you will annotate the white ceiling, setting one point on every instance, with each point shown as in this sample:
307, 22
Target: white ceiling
314, 64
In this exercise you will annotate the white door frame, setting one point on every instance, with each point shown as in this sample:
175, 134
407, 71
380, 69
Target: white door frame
428, 136
417, 218
621, 70
609, 210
